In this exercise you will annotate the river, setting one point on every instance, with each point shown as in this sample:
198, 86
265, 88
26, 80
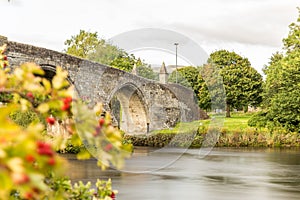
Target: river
177, 174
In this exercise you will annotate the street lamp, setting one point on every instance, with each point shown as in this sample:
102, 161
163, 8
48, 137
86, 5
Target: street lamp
176, 44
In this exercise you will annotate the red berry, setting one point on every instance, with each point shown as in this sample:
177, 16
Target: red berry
5, 58
43, 145
44, 149
50, 120
4, 65
97, 131
30, 158
47, 146
108, 147
113, 196
30, 95
101, 121
67, 100
51, 161
25, 178
28, 195
36, 190
20, 178
65, 107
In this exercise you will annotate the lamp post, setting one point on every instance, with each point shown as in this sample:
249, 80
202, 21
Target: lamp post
176, 44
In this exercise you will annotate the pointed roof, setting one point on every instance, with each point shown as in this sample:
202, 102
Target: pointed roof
163, 69
134, 71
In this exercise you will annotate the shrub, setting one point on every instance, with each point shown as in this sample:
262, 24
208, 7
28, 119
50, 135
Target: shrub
25, 118
30, 167
259, 120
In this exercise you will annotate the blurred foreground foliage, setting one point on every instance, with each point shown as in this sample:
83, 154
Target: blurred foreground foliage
30, 168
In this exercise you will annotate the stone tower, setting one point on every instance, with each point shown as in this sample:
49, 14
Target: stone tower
163, 74
134, 71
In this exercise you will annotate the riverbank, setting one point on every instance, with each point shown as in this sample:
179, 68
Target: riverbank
237, 138
235, 132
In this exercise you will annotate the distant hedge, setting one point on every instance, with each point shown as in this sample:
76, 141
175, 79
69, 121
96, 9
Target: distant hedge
238, 138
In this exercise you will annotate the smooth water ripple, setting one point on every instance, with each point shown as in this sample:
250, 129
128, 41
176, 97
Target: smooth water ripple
259, 174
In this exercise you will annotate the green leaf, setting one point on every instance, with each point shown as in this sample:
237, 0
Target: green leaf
43, 108
83, 155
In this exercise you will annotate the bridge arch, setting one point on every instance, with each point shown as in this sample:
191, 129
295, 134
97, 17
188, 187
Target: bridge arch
129, 107
50, 72
145, 101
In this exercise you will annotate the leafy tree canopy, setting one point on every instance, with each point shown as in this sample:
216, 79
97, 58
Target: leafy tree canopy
146, 72
201, 79
83, 44
243, 84
292, 42
186, 76
88, 45
282, 91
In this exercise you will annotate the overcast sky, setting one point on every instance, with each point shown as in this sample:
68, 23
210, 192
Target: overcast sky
251, 28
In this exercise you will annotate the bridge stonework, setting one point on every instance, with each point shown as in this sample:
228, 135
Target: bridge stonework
146, 105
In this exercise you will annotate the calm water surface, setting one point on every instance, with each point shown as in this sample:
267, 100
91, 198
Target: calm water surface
260, 174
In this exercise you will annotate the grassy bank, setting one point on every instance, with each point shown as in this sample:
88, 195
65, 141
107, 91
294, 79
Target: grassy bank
233, 132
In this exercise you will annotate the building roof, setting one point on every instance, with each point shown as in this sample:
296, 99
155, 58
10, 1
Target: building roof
163, 69
134, 71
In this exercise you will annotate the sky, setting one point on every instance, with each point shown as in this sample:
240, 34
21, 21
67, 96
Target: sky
252, 28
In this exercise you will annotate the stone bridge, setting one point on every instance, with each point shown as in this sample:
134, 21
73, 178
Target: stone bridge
139, 105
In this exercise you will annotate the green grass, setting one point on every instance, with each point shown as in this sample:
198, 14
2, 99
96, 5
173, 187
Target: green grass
182, 127
238, 120
235, 132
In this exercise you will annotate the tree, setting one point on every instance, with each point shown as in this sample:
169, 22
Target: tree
271, 85
88, 45
284, 105
243, 84
105, 53
211, 94
83, 44
190, 77
200, 80
292, 42
126, 62
147, 72
282, 91
186, 76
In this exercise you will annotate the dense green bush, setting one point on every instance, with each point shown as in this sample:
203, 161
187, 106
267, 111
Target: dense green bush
25, 118
259, 120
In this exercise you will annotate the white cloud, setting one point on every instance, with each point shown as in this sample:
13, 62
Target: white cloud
252, 27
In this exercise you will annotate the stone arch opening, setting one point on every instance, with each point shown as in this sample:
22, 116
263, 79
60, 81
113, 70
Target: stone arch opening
128, 106
60, 126
50, 72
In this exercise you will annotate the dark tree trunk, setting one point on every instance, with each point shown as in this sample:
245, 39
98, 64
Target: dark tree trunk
227, 110
245, 108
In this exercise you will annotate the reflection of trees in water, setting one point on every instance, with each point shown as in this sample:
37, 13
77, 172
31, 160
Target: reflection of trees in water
284, 156
115, 108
